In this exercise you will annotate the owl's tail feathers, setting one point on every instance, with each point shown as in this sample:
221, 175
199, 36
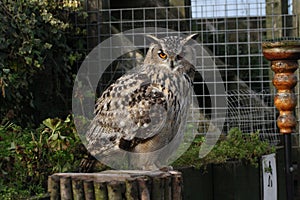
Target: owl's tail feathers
90, 164
87, 164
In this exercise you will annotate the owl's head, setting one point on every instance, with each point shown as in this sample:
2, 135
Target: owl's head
173, 52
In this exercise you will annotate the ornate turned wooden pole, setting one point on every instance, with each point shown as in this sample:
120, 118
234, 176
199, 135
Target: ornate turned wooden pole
284, 55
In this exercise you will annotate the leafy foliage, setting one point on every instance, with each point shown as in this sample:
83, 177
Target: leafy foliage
28, 156
235, 146
37, 42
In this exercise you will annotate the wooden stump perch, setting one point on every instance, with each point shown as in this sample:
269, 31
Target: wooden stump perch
116, 184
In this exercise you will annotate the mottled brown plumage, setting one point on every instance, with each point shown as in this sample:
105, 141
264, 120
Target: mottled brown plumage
145, 109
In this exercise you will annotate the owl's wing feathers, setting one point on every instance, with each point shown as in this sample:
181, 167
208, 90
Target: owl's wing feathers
131, 110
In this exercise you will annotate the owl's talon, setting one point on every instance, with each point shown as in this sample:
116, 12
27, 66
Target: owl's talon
166, 168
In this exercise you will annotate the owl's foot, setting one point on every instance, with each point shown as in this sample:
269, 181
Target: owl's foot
166, 168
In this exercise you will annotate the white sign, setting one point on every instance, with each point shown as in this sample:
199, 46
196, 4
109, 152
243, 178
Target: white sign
269, 177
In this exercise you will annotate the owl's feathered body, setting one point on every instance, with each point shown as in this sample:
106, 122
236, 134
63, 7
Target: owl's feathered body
143, 110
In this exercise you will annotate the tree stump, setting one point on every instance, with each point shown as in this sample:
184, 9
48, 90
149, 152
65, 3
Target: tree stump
116, 184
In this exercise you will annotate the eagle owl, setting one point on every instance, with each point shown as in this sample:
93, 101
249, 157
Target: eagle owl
146, 109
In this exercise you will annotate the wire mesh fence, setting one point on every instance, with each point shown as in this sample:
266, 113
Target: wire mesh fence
230, 31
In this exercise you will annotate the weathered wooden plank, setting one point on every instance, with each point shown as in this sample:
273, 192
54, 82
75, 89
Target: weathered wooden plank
65, 188
131, 191
176, 185
88, 187
100, 191
54, 187
115, 190
77, 187
144, 187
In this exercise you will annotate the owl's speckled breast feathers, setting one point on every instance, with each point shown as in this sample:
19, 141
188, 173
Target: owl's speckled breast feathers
143, 110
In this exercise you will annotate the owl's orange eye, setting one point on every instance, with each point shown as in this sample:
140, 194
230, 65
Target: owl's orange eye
162, 55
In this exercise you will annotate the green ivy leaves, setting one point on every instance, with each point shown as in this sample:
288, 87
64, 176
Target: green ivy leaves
35, 36
28, 156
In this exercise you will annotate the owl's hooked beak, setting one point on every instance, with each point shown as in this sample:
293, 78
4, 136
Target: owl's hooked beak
172, 64
173, 61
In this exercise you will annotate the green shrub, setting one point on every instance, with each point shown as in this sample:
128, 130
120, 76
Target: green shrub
37, 42
235, 146
29, 156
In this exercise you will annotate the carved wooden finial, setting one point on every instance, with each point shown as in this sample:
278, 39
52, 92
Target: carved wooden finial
284, 55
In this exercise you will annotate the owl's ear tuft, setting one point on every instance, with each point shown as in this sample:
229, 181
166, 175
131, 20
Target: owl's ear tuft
194, 36
153, 39
190, 37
